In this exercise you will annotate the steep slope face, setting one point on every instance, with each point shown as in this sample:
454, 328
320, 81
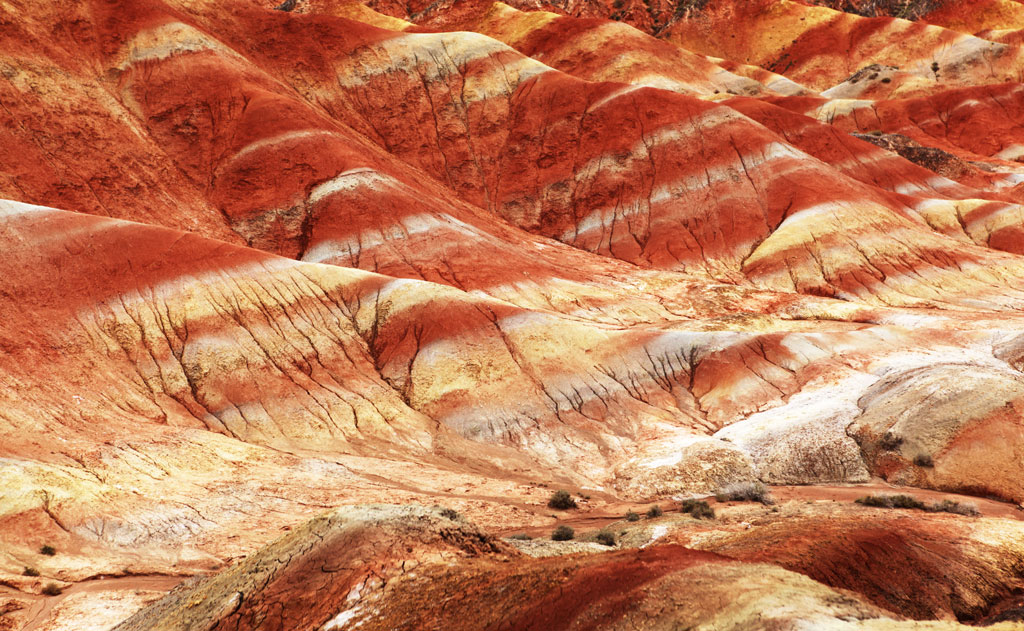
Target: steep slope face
298, 581
924, 566
912, 548
69, 142
820, 47
600, 50
273, 352
641, 211
638, 198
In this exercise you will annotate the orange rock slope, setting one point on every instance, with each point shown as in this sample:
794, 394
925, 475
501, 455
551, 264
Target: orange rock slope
264, 261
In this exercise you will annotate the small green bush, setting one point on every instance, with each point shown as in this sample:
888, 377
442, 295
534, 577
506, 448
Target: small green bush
924, 460
631, 516
654, 511
563, 533
520, 536
561, 500
31, 571
48, 550
745, 492
698, 508
52, 589
605, 538
450, 513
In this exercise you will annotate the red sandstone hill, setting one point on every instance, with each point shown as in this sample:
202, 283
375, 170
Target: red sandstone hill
261, 262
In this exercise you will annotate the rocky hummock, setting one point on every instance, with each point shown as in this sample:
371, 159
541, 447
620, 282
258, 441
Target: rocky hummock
391, 567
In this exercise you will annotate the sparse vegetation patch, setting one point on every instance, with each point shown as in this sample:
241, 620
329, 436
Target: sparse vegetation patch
909, 502
563, 533
698, 508
891, 501
52, 589
957, 508
561, 500
745, 492
605, 538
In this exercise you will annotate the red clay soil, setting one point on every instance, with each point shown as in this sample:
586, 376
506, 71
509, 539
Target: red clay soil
610, 580
556, 593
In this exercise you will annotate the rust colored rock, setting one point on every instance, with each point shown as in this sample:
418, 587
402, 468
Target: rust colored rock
265, 259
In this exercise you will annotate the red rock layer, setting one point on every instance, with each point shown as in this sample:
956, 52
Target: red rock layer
290, 259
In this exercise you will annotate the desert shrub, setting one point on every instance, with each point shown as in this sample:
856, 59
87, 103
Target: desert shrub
698, 508
631, 516
955, 507
907, 501
654, 511
745, 492
520, 536
52, 589
450, 513
561, 500
31, 571
891, 501
924, 460
877, 501
605, 538
563, 533
890, 442
48, 550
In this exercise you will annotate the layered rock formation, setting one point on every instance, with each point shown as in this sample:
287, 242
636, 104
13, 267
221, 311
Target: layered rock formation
260, 263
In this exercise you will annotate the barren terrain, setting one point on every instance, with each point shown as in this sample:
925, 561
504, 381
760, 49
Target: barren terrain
308, 308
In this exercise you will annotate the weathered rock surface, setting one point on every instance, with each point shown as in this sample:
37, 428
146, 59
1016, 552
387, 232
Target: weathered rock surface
921, 565
261, 263
388, 567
